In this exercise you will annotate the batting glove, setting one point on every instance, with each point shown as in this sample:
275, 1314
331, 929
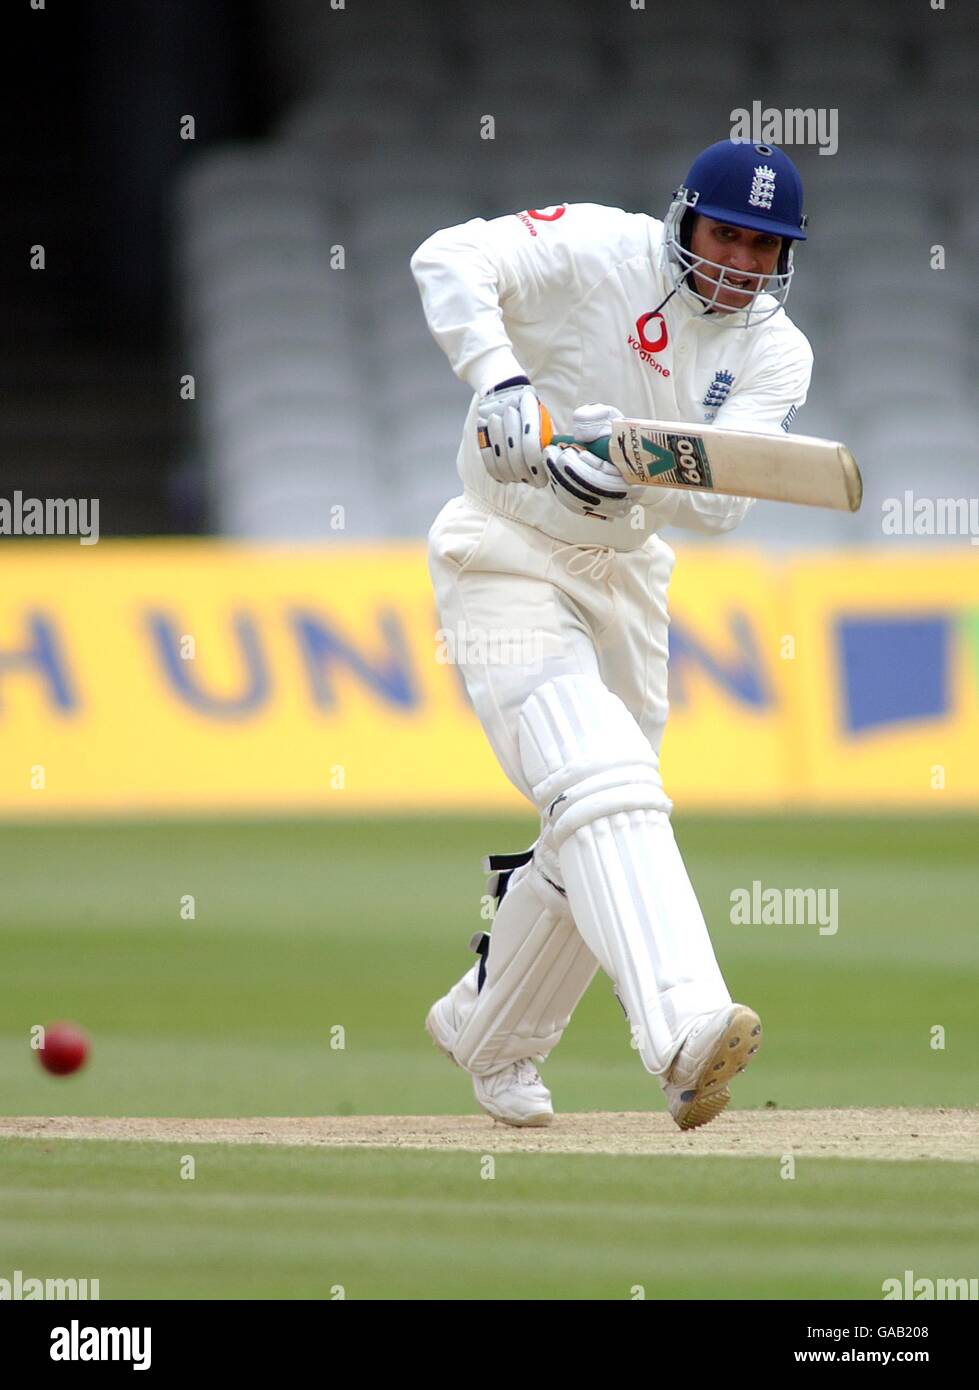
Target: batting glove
509, 433
582, 481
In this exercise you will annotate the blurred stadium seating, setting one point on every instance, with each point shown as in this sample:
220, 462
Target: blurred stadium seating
378, 145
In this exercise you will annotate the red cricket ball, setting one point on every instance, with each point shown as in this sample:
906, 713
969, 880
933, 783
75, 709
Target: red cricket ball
65, 1048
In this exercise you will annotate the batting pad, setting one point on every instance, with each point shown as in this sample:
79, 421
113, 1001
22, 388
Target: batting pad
537, 969
596, 779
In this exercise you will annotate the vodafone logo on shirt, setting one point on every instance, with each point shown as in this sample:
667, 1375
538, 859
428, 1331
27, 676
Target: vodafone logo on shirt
657, 337
651, 336
541, 215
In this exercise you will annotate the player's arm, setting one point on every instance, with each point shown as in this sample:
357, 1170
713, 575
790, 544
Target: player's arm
476, 277
482, 277
766, 403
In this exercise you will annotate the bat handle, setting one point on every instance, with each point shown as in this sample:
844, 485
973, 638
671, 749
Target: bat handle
598, 447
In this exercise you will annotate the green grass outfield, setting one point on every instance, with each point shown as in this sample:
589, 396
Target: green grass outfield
305, 926
297, 1223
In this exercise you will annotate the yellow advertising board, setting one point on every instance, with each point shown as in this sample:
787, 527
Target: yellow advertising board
201, 676
171, 677
887, 677
725, 743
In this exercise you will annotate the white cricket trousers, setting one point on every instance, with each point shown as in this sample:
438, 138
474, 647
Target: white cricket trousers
581, 611
547, 634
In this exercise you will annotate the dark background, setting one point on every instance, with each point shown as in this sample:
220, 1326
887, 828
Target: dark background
92, 151
94, 346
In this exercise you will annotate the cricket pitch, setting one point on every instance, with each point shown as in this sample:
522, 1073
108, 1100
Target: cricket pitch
898, 1134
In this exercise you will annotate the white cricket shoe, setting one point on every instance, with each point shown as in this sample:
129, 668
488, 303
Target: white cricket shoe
715, 1050
515, 1095
448, 1014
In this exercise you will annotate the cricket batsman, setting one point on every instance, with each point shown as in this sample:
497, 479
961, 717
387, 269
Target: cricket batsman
678, 320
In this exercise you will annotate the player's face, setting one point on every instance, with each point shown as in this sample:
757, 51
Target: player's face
747, 257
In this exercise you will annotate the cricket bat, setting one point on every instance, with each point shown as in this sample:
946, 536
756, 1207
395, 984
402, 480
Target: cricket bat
773, 467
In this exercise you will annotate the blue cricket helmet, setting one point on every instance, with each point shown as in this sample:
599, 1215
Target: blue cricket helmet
753, 186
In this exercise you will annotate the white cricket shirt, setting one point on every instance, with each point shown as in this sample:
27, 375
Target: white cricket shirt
567, 296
